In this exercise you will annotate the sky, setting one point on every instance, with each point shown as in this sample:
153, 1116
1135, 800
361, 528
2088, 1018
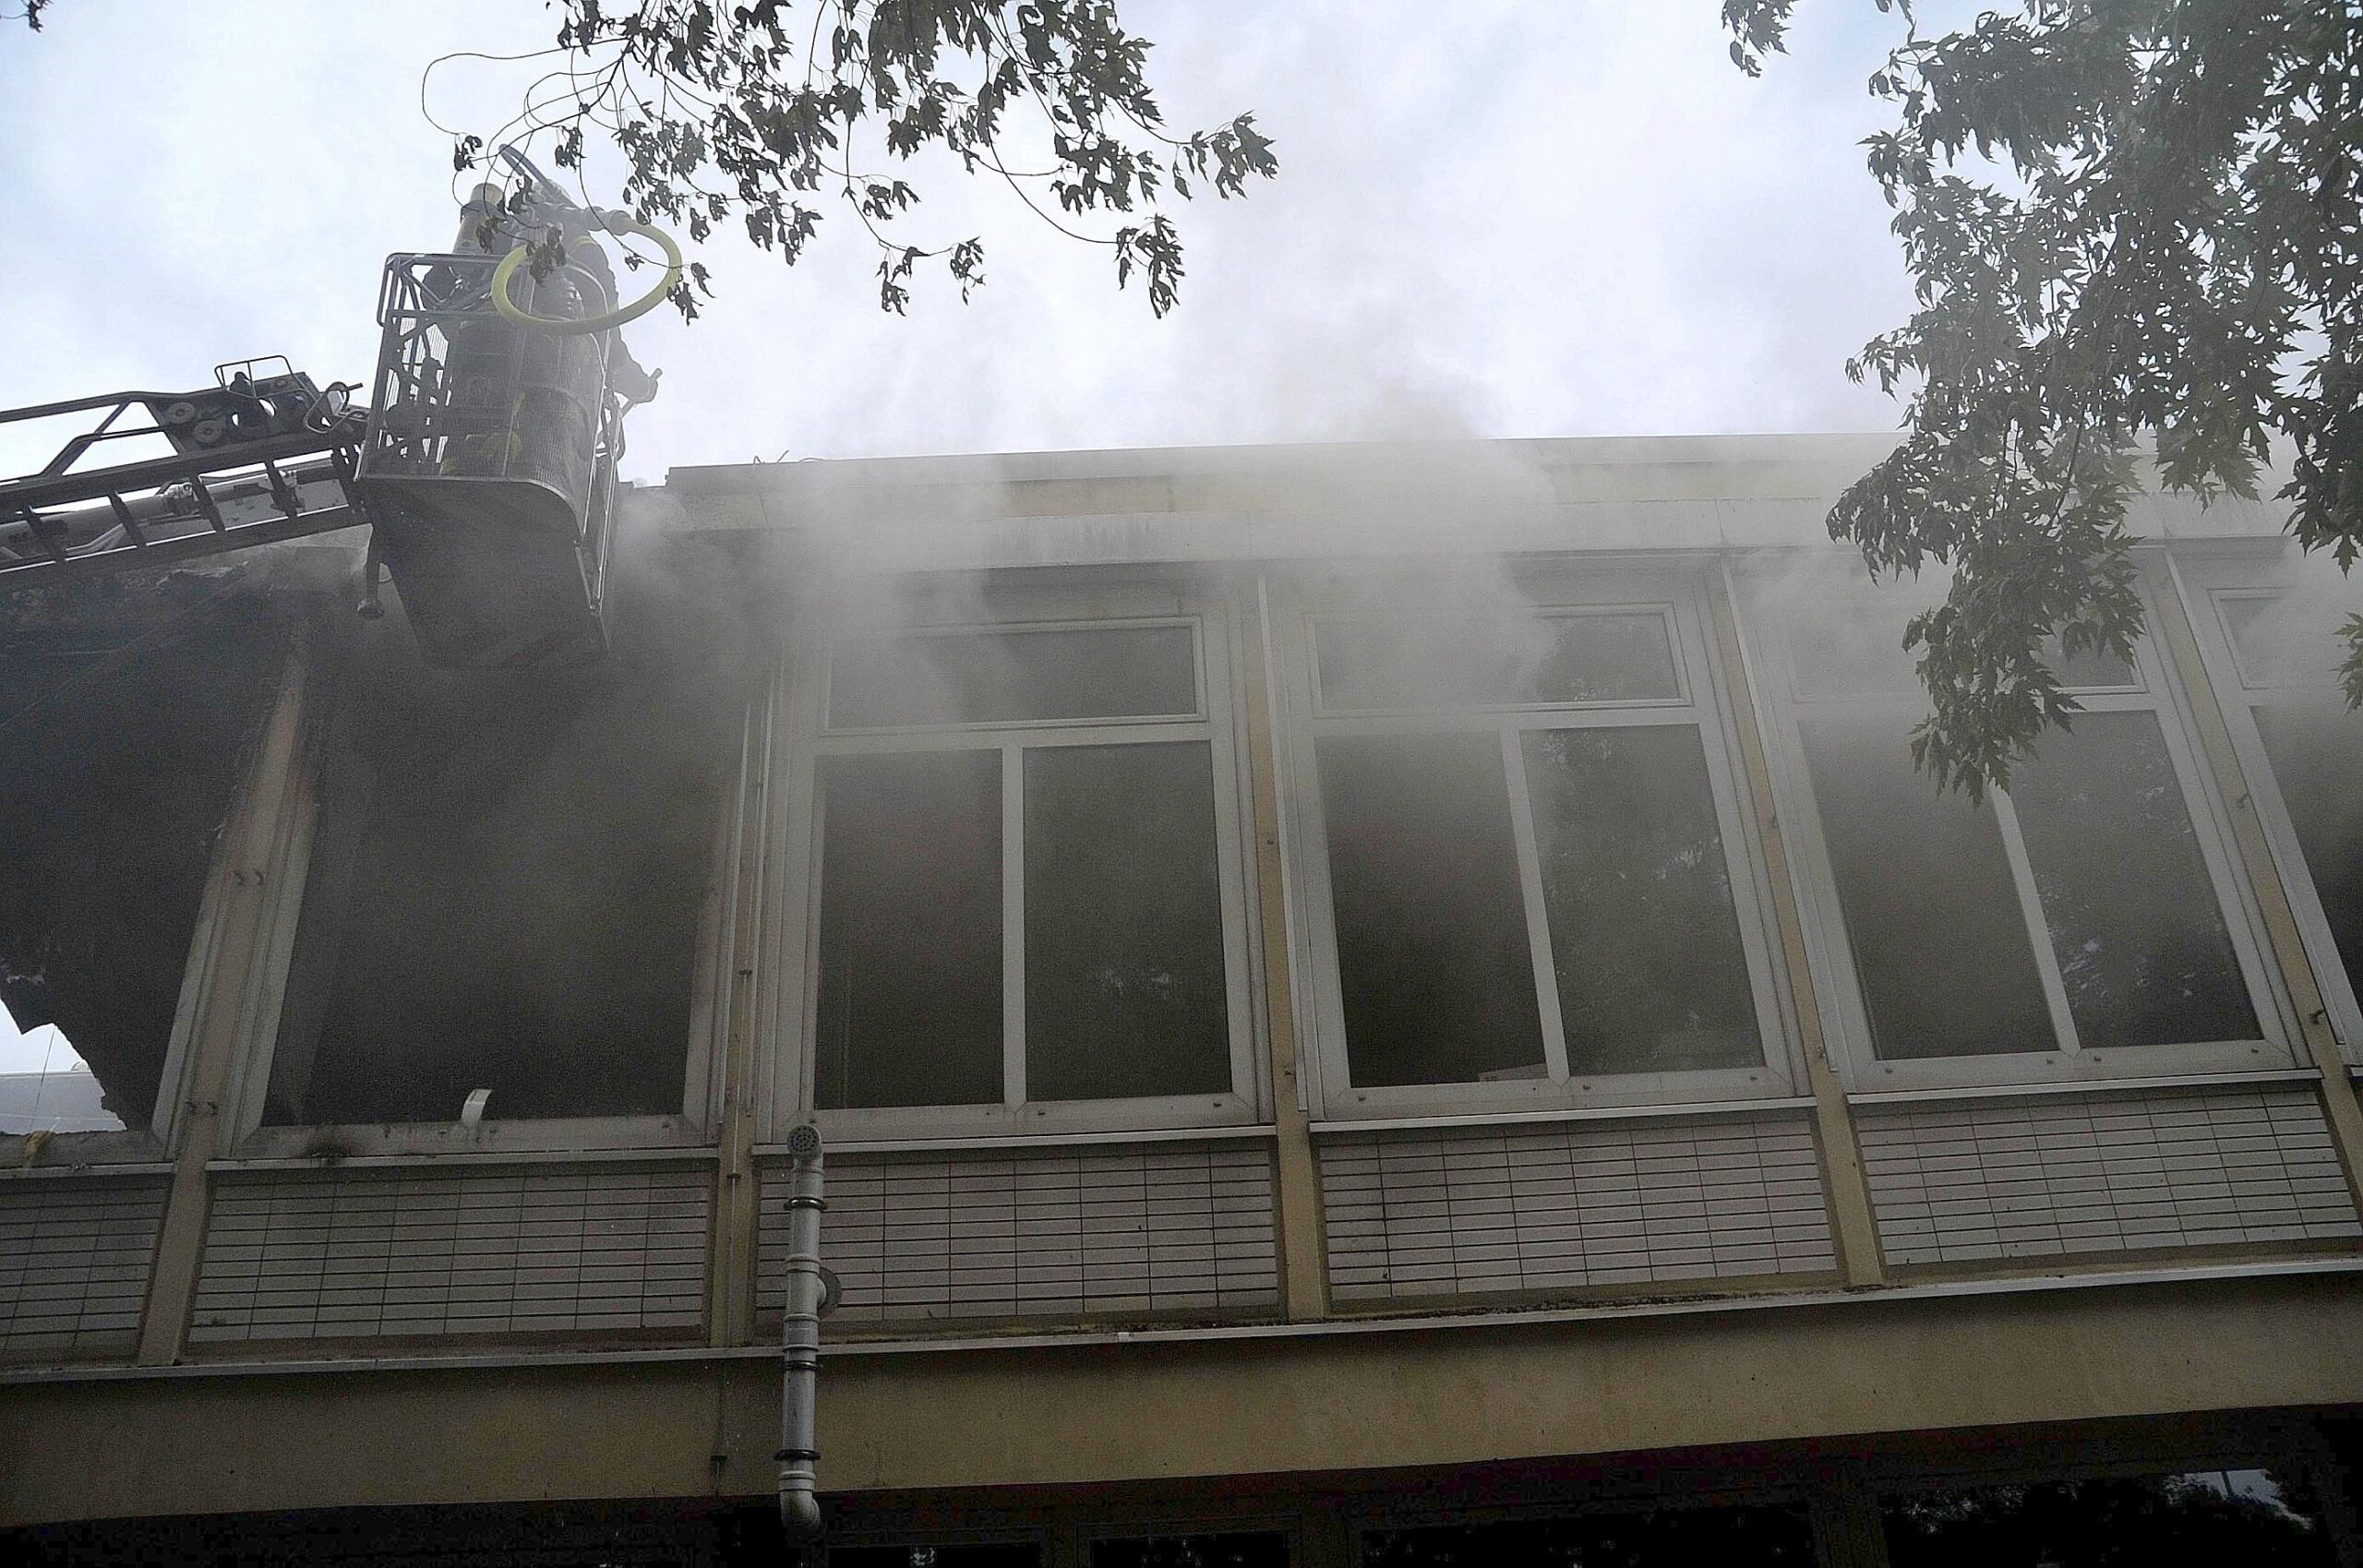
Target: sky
1493, 218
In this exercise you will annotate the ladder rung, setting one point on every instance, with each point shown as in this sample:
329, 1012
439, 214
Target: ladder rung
205, 503
130, 525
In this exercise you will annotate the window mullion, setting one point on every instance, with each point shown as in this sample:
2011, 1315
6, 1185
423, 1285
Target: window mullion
2046, 957
1013, 925
1537, 925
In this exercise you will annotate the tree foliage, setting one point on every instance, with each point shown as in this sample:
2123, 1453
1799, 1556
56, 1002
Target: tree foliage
764, 114
2135, 230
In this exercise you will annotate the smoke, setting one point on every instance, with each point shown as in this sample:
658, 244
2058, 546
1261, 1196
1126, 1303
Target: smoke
511, 873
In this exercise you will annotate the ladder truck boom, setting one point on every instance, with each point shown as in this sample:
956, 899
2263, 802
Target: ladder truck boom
258, 456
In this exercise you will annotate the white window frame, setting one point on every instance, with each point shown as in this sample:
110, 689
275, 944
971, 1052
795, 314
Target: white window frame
1547, 589
1001, 606
285, 879
1783, 705
2206, 582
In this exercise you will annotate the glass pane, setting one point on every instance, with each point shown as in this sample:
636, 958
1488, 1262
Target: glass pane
2286, 638
1853, 648
1123, 924
2141, 941
1932, 913
1651, 975
2089, 669
126, 713
1432, 943
979, 677
1506, 661
910, 1003
505, 893
2209, 1517
1764, 1537
2317, 755
1259, 1549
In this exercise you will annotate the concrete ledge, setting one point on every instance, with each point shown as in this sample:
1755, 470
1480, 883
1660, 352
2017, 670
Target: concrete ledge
1091, 1411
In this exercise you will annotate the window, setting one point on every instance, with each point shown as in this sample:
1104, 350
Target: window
1019, 1554
1228, 1548
1762, 1534
2232, 1515
1530, 880
126, 728
508, 897
2268, 628
1028, 910
2075, 924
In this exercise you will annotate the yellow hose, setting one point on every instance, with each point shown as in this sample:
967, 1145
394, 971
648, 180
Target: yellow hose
566, 327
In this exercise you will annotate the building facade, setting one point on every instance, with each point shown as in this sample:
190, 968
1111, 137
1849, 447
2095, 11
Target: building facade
1365, 1005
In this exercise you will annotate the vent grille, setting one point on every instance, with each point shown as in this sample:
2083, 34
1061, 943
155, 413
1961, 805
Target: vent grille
1062, 1233
403, 1253
74, 1257
1566, 1205
2101, 1173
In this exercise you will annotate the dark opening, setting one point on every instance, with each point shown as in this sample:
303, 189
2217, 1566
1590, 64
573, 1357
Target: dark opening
909, 1012
1234, 1548
1432, 941
508, 875
1773, 1537
2140, 940
1932, 913
1124, 991
2199, 1519
127, 710
1652, 976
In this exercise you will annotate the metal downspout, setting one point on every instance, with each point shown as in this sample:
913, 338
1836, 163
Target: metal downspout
799, 1509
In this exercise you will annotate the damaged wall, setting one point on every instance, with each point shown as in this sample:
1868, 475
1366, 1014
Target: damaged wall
126, 708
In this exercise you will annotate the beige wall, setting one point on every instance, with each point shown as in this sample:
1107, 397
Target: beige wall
1085, 1413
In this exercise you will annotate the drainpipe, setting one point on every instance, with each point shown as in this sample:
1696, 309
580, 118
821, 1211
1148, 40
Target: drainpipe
799, 1510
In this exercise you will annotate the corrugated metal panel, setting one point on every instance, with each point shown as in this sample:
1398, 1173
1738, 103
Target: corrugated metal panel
1560, 1205
407, 1252
75, 1256
1957, 1181
1065, 1233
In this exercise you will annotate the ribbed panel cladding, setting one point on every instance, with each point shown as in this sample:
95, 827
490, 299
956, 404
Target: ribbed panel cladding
1566, 1206
1125, 1230
75, 1254
1965, 1180
403, 1253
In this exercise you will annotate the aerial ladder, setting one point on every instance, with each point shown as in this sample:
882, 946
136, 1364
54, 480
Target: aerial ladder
484, 466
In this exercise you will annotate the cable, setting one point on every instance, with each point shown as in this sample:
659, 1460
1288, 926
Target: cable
563, 326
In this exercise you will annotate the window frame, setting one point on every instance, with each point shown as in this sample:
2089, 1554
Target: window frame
1552, 588
1782, 706
1003, 604
2205, 582
325, 748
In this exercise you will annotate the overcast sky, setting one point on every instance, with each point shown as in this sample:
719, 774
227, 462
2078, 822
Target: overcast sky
1493, 218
